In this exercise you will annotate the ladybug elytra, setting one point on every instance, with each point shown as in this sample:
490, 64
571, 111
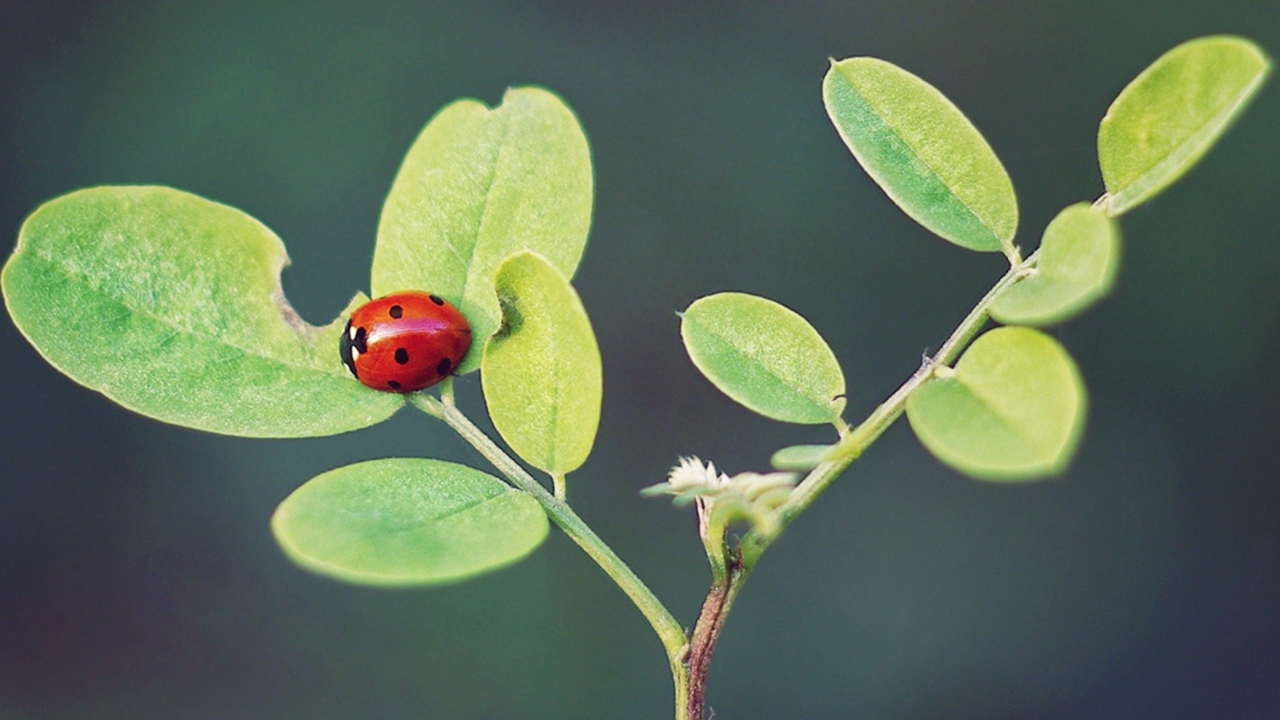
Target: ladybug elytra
404, 342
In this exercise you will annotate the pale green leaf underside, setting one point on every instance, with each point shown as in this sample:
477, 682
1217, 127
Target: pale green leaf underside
765, 356
1013, 409
1164, 121
171, 305
541, 371
407, 521
478, 185
1077, 264
923, 152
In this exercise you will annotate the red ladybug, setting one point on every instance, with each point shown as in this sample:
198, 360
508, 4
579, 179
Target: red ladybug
404, 342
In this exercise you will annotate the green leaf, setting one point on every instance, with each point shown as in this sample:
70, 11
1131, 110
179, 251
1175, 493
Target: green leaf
171, 305
1170, 115
923, 152
407, 521
1012, 409
764, 356
799, 458
477, 186
541, 371
1077, 264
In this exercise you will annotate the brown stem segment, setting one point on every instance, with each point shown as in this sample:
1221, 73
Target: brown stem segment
702, 644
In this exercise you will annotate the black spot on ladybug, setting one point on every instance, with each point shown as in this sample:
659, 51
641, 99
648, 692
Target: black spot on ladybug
467, 331
444, 367
437, 300
393, 384
361, 341
396, 311
402, 356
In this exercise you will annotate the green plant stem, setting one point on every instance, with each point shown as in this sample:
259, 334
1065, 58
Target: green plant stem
668, 629
715, 609
713, 542
852, 445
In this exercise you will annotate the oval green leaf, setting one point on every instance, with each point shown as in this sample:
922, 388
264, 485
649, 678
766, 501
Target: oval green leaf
923, 152
765, 356
799, 458
1164, 121
541, 371
407, 521
1012, 409
1076, 266
477, 186
171, 305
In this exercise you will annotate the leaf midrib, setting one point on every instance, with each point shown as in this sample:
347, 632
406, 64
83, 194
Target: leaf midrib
766, 368
488, 194
934, 171
421, 521
1004, 420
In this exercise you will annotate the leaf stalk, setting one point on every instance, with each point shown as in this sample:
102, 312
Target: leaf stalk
668, 629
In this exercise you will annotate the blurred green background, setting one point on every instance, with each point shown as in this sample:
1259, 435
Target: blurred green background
138, 578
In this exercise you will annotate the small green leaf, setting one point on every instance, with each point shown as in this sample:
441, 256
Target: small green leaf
1077, 264
923, 152
171, 305
407, 521
1012, 409
1164, 121
541, 371
799, 458
477, 186
764, 356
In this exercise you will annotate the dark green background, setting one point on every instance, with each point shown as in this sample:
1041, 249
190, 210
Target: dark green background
138, 578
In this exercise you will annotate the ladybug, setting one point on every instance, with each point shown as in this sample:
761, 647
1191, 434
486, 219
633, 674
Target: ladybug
404, 342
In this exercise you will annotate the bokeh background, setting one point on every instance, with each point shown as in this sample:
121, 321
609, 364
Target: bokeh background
138, 578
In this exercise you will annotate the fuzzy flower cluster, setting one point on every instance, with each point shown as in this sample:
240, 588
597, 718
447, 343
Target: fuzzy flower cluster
746, 497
